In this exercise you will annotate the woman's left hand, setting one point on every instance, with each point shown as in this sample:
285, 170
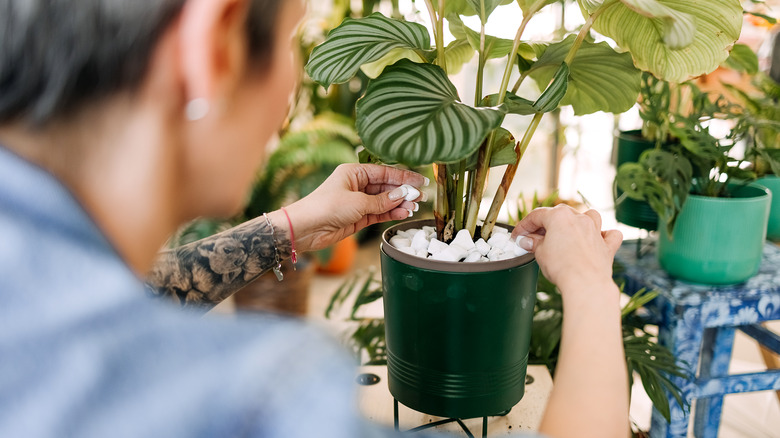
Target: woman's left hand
353, 197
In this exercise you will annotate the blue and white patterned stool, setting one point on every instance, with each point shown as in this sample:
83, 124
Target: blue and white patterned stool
697, 324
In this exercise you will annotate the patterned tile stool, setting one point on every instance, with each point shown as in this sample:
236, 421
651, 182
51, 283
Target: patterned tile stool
697, 323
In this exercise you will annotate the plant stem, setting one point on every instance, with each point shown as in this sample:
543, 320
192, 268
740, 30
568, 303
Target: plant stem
441, 212
440, 37
477, 184
480, 67
519, 81
459, 194
509, 175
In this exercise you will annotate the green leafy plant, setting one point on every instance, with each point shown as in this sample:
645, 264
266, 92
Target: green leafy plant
760, 124
688, 158
411, 112
654, 363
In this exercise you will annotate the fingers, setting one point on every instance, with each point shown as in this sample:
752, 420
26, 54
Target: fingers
368, 174
375, 189
613, 239
595, 216
533, 222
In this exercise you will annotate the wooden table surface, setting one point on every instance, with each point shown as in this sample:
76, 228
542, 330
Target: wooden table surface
376, 404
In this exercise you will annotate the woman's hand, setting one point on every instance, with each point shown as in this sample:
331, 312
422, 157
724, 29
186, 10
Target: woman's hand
353, 197
569, 246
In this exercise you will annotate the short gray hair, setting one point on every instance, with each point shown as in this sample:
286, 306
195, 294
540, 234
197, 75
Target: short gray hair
57, 55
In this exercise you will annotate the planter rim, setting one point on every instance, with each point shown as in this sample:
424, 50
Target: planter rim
765, 192
438, 265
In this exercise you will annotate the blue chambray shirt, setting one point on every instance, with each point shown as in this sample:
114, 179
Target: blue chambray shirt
85, 353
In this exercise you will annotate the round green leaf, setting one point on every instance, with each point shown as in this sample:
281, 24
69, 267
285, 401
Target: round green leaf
656, 33
412, 114
600, 79
360, 41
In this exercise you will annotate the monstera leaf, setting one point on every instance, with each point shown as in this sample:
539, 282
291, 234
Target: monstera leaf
673, 39
672, 169
412, 114
600, 79
361, 41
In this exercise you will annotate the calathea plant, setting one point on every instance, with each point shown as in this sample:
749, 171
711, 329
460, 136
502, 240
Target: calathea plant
412, 114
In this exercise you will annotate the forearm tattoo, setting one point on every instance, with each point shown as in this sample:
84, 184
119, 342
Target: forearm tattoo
201, 274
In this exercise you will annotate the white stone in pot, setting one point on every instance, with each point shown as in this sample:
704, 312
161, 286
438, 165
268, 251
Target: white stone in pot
473, 257
400, 242
445, 256
407, 250
463, 239
436, 246
482, 246
498, 239
420, 241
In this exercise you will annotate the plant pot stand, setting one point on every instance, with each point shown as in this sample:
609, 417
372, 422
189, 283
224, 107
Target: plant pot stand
377, 404
697, 323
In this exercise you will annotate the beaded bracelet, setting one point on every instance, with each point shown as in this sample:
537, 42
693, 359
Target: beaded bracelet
277, 258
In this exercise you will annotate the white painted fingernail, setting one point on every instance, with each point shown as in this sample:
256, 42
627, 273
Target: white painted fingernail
416, 207
427, 181
424, 197
525, 242
410, 213
398, 193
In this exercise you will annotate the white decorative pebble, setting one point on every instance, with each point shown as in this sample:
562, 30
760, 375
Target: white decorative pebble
436, 246
463, 239
420, 241
422, 253
445, 256
498, 239
506, 255
509, 246
400, 242
520, 251
485, 259
500, 230
473, 257
482, 246
407, 250
457, 251
429, 230
412, 231
494, 253
411, 192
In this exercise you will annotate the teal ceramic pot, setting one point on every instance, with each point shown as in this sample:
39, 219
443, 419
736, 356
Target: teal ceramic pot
717, 240
630, 146
772, 182
458, 334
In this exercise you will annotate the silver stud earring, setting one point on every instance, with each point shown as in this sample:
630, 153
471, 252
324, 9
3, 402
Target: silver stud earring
197, 109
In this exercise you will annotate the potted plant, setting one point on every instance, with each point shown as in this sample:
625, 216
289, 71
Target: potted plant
411, 114
712, 220
761, 124
654, 363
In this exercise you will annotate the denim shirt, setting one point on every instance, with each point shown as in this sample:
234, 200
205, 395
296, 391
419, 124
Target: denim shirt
85, 353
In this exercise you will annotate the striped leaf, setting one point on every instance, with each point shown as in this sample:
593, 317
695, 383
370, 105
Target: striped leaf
361, 41
412, 114
486, 7
673, 39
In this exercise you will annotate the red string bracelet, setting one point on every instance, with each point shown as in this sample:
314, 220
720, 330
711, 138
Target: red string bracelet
294, 256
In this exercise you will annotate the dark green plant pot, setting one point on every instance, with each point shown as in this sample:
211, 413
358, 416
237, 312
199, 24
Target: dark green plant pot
772, 182
717, 240
630, 146
458, 334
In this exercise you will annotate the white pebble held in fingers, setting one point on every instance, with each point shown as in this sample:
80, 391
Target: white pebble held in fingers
423, 243
411, 192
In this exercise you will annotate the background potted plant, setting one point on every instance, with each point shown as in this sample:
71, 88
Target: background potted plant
411, 114
712, 221
761, 123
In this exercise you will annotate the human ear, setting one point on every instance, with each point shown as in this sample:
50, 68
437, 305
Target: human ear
213, 50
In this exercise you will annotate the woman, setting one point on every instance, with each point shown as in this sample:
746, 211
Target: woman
120, 120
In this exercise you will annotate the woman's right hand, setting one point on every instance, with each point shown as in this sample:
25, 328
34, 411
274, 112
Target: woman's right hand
569, 246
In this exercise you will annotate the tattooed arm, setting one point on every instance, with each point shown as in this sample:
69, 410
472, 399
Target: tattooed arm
203, 273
